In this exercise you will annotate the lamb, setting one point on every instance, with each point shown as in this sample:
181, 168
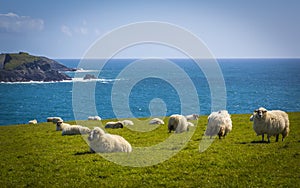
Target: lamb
192, 117
114, 125
178, 123
68, 129
156, 121
219, 123
32, 121
272, 123
102, 142
97, 118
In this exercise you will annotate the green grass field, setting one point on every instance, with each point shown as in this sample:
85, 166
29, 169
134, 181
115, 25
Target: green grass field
38, 156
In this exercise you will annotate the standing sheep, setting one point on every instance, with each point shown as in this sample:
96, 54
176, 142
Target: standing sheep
272, 123
178, 123
219, 123
102, 142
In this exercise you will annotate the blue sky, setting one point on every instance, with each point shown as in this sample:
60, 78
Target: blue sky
66, 29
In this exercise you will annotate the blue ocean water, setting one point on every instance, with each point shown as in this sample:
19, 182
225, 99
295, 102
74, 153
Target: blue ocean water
250, 83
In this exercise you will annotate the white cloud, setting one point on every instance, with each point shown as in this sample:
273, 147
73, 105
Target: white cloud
12, 22
66, 30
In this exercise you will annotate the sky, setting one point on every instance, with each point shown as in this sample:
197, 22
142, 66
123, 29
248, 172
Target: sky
64, 29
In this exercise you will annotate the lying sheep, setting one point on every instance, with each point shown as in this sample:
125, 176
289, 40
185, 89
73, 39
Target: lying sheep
114, 125
178, 123
32, 121
127, 122
54, 119
156, 121
68, 129
272, 123
102, 142
97, 118
192, 117
219, 123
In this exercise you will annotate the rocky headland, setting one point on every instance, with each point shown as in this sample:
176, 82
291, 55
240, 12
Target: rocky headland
22, 67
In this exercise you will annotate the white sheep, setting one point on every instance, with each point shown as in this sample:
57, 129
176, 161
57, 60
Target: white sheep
192, 117
32, 121
178, 123
114, 125
127, 122
272, 123
219, 123
68, 129
97, 118
156, 121
54, 119
102, 142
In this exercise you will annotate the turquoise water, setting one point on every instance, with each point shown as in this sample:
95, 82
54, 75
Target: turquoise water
250, 83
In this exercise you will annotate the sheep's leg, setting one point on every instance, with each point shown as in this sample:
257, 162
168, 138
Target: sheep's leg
92, 151
277, 136
268, 138
262, 137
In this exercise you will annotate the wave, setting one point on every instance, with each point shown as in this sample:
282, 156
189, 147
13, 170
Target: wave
82, 70
101, 80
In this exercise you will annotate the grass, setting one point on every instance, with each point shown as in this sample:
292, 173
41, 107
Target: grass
38, 156
18, 59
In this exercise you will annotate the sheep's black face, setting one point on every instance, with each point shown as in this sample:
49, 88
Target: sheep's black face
58, 126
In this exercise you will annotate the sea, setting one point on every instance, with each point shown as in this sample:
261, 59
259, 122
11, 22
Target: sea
128, 88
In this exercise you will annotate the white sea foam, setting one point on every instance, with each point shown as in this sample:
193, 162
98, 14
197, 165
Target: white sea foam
101, 80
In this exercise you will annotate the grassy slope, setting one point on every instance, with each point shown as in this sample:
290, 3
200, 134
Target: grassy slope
37, 155
19, 59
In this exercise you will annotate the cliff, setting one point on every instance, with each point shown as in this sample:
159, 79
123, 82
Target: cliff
22, 67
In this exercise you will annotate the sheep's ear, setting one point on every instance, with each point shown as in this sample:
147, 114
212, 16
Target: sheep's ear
264, 111
255, 111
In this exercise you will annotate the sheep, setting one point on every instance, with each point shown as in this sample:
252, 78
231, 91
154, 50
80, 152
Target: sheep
32, 121
97, 118
68, 129
114, 125
102, 142
272, 123
192, 117
219, 123
127, 122
54, 119
156, 121
178, 123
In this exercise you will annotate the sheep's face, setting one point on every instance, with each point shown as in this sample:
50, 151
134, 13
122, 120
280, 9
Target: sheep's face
221, 131
95, 134
260, 113
58, 126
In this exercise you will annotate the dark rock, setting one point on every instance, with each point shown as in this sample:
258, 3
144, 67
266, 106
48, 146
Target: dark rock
89, 76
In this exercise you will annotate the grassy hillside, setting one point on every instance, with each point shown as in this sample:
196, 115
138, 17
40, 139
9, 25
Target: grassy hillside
37, 155
18, 59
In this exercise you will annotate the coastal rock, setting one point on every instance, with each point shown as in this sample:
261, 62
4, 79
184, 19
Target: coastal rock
89, 76
23, 67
